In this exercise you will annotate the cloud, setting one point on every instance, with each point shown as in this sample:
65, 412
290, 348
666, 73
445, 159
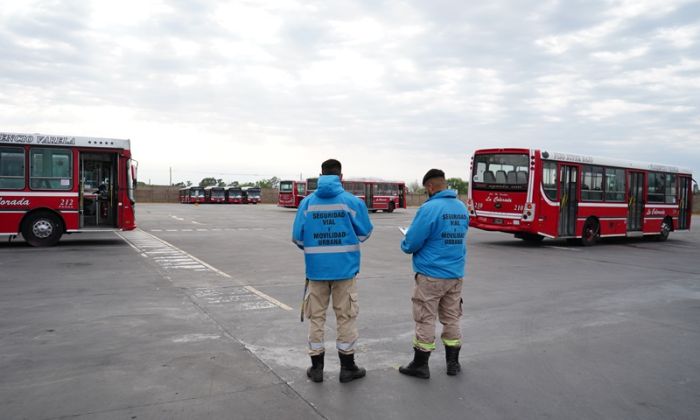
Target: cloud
269, 88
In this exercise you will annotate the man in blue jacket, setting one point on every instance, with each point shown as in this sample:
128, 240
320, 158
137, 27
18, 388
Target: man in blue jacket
437, 239
329, 226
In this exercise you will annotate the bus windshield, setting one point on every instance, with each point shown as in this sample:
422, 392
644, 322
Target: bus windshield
286, 186
505, 172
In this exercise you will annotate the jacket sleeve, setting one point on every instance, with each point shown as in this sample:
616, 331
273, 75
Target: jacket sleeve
299, 221
418, 232
361, 223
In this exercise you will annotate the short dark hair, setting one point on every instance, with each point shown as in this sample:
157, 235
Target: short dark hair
331, 167
433, 173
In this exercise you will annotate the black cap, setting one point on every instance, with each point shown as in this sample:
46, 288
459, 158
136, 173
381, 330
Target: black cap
433, 173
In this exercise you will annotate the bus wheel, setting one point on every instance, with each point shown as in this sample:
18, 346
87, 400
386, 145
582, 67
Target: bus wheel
42, 229
591, 232
391, 207
666, 228
373, 210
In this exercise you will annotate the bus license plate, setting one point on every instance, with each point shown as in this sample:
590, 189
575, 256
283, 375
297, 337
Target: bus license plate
498, 221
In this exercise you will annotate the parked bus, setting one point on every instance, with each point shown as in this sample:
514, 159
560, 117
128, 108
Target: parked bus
252, 195
291, 193
234, 195
538, 194
311, 185
51, 185
213, 195
378, 195
192, 195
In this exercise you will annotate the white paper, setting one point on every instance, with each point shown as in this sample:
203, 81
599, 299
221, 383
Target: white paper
403, 230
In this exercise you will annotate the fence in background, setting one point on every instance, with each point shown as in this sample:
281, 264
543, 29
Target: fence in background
165, 194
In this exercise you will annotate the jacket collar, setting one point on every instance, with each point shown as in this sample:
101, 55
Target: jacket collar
444, 194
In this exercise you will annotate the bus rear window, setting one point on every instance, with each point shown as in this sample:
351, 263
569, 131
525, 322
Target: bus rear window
504, 172
286, 187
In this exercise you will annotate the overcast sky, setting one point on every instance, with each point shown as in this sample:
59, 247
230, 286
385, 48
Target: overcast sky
247, 89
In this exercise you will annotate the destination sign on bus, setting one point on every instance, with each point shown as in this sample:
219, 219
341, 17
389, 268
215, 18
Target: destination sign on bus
38, 139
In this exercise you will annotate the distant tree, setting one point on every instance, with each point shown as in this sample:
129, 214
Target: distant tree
458, 184
140, 184
208, 182
273, 182
248, 184
233, 184
189, 183
179, 184
415, 187
220, 183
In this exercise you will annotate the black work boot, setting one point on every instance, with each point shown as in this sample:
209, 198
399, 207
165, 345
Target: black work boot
418, 366
315, 372
452, 358
348, 369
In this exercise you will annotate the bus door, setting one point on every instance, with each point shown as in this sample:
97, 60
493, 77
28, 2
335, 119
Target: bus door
568, 204
369, 195
684, 202
635, 201
402, 197
98, 189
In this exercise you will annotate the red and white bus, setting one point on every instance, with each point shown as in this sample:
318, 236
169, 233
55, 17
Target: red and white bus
51, 185
378, 195
234, 195
537, 194
214, 195
311, 185
252, 195
291, 193
192, 195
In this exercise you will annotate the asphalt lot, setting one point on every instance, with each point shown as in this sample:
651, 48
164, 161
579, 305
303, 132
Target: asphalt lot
196, 315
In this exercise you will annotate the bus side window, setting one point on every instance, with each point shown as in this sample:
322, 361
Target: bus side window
655, 188
549, 180
614, 184
11, 168
51, 169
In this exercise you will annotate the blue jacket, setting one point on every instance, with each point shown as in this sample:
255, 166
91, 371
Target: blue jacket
329, 226
437, 237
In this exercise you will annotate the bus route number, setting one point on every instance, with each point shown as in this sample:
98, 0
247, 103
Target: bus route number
66, 203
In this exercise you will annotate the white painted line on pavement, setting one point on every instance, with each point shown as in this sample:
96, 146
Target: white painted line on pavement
268, 298
563, 248
169, 256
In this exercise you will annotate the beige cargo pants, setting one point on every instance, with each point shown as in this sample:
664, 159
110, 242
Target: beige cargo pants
441, 297
345, 306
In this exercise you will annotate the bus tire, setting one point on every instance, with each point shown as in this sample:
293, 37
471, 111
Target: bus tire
391, 207
666, 228
591, 232
42, 229
373, 210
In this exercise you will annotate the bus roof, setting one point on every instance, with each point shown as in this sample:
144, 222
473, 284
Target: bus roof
620, 163
592, 160
55, 140
373, 180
